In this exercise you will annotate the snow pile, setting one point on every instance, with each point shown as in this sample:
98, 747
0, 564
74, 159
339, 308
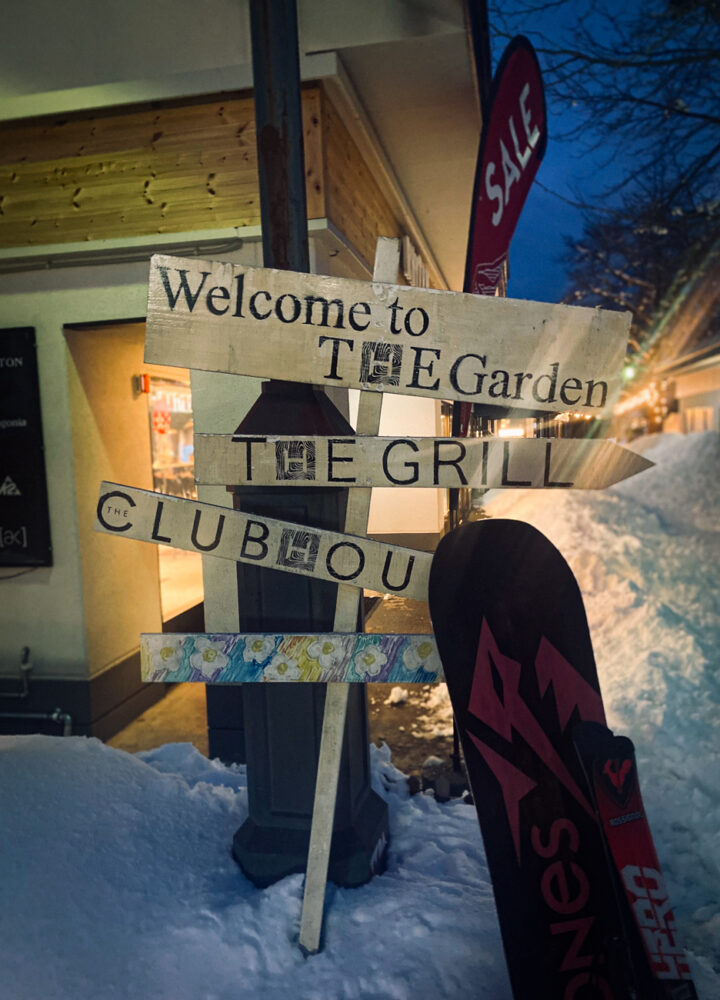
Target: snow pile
117, 880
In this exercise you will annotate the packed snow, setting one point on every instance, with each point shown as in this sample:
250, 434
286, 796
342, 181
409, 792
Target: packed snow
117, 881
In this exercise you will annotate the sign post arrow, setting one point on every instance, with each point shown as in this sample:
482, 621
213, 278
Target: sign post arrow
485, 463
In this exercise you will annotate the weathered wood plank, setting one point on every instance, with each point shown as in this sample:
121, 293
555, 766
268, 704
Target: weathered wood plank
293, 548
489, 463
346, 657
382, 337
387, 254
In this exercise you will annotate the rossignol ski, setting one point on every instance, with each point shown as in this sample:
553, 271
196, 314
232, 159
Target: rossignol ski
660, 966
514, 642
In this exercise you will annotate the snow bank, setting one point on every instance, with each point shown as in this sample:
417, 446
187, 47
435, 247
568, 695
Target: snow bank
117, 881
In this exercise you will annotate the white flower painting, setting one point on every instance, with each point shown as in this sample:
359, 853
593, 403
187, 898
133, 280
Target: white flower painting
258, 647
328, 651
422, 655
370, 661
282, 668
208, 657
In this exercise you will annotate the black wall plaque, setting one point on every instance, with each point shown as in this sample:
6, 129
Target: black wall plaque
24, 521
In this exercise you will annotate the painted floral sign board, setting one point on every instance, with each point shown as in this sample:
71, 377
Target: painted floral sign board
221, 658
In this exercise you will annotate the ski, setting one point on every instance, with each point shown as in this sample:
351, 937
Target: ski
513, 638
661, 968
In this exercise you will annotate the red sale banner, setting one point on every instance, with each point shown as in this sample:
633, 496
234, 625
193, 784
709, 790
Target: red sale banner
512, 147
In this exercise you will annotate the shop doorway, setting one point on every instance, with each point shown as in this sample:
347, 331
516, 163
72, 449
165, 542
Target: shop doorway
131, 423
172, 453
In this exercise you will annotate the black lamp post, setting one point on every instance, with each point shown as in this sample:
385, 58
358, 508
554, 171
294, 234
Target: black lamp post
281, 724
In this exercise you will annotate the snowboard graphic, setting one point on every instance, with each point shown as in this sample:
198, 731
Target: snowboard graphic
514, 642
661, 968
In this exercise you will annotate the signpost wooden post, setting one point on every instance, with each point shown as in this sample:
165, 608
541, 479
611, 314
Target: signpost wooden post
368, 422
381, 338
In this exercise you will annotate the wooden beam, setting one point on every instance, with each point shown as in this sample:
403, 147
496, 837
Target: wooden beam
263, 541
487, 463
383, 337
345, 657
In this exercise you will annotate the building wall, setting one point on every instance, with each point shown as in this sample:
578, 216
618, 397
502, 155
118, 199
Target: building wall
111, 441
44, 608
184, 166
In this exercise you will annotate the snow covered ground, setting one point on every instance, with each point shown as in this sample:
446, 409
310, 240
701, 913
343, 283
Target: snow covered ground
116, 881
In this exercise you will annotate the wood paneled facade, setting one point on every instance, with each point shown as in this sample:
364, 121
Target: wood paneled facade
175, 167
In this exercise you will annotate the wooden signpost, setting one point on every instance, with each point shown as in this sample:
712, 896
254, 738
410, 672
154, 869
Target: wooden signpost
374, 336
231, 534
383, 337
488, 463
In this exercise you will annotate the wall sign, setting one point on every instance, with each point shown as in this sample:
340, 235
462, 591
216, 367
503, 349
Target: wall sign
24, 518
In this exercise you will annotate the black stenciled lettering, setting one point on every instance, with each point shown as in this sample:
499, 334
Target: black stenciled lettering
103, 500
353, 573
394, 307
381, 363
552, 384
218, 292
218, 533
546, 478
485, 450
172, 297
500, 386
479, 376
519, 379
570, 384
332, 458
298, 549
240, 279
249, 442
423, 322
506, 481
455, 462
258, 539
335, 341
296, 308
253, 308
386, 572
156, 536
313, 300
365, 307
295, 460
418, 367
413, 466
592, 385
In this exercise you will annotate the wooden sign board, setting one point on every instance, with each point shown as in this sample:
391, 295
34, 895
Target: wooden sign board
231, 534
347, 657
489, 463
383, 337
